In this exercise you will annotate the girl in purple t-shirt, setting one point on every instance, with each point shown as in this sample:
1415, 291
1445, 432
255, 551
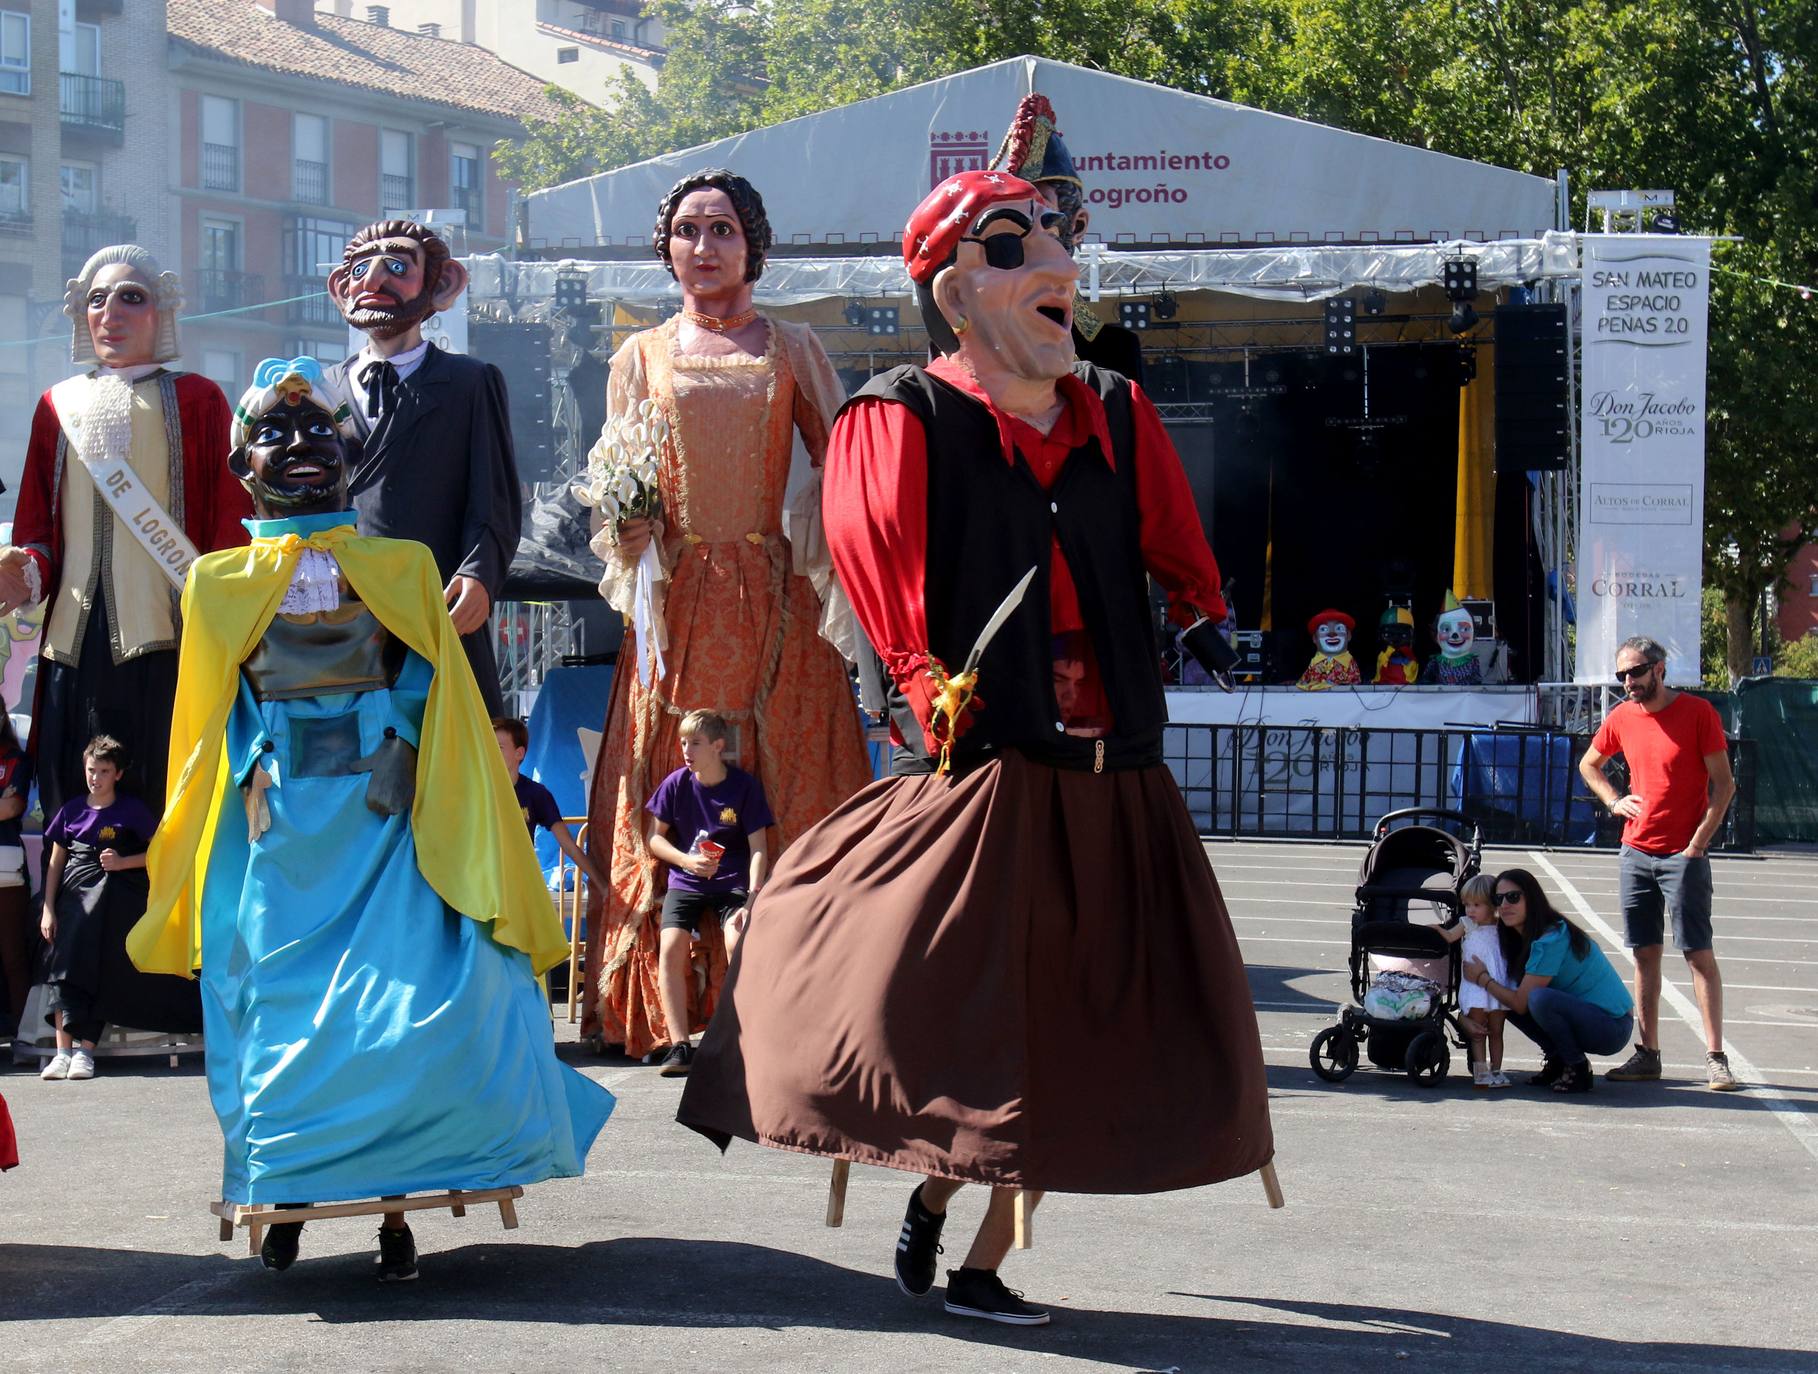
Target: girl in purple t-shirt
94, 889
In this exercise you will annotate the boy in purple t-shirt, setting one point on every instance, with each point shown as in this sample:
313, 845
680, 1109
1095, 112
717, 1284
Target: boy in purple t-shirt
709, 820
96, 877
536, 801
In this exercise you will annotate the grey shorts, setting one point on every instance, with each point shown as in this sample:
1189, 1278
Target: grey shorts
1654, 886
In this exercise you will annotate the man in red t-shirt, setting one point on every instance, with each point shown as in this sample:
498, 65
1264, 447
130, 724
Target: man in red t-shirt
1679, 788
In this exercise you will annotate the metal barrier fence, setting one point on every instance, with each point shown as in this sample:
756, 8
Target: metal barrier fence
1297, 781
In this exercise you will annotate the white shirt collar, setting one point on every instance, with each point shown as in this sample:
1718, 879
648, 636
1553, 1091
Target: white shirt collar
135, 373
406, 362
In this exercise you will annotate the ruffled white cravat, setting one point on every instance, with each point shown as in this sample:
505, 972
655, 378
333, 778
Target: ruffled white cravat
315, 585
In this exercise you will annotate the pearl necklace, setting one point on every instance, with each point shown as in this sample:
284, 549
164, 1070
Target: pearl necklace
718, 325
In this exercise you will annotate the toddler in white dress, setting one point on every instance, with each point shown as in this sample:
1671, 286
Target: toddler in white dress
1483, 1015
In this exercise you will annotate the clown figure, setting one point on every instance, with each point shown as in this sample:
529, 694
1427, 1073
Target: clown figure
1396, 664
1456, 665
1332, 664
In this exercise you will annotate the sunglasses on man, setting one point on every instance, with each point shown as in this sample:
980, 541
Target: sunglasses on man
1624, 674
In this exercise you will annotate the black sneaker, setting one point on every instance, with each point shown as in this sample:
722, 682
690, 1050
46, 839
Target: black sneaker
675, 1063
1643, 1066
279, 1250
917, 1247
981, 1293
397, 1255
1549, 1074
1576, 1079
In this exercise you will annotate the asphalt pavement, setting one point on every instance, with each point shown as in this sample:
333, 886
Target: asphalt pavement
1641, 1227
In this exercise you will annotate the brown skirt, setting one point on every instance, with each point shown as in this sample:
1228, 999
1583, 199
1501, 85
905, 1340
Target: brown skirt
1023, 977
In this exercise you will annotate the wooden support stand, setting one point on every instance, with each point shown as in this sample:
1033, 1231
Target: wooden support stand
1022, 1221
1272, 1185
255, 1218
836, 1192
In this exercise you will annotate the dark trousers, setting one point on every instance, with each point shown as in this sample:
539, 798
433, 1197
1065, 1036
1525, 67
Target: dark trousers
1567, 1028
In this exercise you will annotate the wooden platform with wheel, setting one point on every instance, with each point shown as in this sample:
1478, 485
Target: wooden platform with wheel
1024, 1227
255, 1218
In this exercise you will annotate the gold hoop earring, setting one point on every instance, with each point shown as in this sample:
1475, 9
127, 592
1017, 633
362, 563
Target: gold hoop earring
961, 325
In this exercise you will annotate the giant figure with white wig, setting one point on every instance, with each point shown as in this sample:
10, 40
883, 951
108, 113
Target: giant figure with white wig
125, 482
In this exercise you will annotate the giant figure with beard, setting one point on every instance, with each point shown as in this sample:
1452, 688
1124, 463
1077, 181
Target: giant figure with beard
436, 463
1009, 964
345, 863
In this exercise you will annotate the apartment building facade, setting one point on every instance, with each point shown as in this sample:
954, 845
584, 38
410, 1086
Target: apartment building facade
579, 45
84, 125
292, 129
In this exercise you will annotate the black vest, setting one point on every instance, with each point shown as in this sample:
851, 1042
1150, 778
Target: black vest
988, 523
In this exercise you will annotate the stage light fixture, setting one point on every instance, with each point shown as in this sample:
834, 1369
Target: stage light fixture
1374, 302
855, 314
570, 288
1341, 325
1467, 364
1460, 278
1133, 314
1464, 315
882, 321
1166, 306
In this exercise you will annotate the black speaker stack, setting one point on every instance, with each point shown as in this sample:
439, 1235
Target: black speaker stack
1533, 389
521, 353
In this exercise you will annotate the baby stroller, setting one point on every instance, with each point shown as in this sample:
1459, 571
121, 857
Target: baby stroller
1409, 863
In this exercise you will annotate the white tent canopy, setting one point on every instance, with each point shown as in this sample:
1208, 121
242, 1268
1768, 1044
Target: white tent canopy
1160, 166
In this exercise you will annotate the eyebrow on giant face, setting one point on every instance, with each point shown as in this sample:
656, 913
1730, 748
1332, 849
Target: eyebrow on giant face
1001, 214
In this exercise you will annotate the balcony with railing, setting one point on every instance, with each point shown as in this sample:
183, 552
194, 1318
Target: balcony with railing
318, 310
309, 181
219, 289
395, 195
86, 232
220, 167
92, 105
15, 223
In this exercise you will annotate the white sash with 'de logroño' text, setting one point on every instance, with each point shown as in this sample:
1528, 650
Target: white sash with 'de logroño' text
100, 439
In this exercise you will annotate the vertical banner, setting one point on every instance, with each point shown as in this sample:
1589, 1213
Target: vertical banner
1641, 495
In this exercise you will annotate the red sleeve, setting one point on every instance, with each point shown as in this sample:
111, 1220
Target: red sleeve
1608, 739
1174, 541
875, 504
1711, 739
34, 528
216, 501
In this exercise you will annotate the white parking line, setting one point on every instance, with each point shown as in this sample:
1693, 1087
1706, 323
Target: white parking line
1796, 1121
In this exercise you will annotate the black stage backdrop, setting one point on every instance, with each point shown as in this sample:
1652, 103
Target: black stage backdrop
1314, 504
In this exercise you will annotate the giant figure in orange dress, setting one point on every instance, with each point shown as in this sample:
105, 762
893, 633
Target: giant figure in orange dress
750, 617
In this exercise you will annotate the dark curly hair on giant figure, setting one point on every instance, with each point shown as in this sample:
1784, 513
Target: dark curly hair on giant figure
745, 200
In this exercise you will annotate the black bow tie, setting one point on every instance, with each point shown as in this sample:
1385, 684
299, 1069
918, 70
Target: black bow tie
380, 379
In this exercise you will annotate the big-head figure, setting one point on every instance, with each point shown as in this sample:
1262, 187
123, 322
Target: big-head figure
435, 460
125, 482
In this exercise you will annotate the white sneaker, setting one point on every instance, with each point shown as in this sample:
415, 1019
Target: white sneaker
1499, 1079
82, 1064
58, 1067
1481, 1077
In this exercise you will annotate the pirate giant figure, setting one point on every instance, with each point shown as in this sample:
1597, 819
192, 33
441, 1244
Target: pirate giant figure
1010, 963
436, 462
125, 482
344, 862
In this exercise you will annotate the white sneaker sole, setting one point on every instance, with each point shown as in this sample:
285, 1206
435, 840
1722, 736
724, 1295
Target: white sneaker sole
1008, 1319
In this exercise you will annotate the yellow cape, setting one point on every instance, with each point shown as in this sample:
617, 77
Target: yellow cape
472, 847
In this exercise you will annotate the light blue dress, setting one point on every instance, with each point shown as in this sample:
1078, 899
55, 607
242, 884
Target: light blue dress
364, 1039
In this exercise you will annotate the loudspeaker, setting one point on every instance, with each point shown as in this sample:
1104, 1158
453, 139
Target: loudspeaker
521, 353
1533, 389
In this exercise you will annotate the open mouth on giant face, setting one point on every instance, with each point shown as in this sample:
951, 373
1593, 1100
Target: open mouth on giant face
1055, 313
306, 472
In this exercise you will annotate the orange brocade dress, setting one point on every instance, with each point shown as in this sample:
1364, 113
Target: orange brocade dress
743, 640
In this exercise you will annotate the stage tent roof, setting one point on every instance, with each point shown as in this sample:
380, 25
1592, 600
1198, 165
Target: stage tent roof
1161, 167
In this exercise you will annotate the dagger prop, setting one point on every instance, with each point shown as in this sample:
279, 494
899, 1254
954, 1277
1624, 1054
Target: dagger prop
954, 694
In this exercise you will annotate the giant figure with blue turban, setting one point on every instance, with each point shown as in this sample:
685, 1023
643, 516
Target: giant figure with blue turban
344, 862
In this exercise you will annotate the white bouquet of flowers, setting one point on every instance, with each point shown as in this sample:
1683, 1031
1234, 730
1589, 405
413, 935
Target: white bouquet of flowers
621, 483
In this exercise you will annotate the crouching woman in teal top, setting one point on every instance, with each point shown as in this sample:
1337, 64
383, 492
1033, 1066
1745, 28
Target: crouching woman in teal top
343, 860
1567, 998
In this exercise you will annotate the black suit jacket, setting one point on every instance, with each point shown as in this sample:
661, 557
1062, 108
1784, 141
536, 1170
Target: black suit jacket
439, 468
